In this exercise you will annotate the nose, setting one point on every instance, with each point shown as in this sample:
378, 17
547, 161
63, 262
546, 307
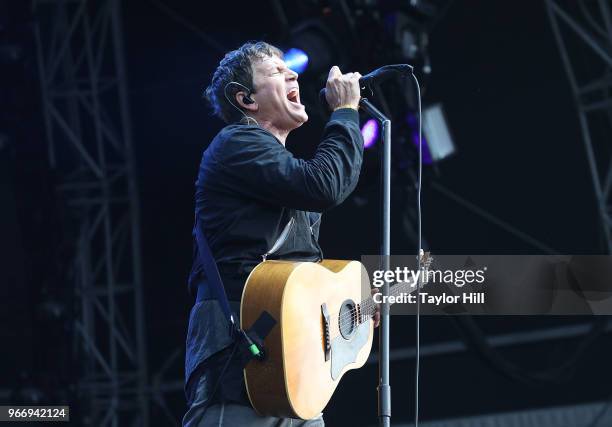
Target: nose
291, 75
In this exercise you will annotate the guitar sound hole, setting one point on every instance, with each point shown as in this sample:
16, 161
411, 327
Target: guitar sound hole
347, 319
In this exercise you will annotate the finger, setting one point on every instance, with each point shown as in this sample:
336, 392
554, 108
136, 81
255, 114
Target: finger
334, 72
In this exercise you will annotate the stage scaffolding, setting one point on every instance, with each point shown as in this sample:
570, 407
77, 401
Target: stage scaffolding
584, 28
88, 127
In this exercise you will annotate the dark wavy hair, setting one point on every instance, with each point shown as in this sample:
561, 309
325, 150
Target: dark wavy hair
236, 66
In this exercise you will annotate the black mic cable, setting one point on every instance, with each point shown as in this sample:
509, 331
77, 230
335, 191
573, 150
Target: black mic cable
419, 258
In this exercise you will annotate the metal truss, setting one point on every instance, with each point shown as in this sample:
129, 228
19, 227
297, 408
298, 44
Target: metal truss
588, 31
87, 118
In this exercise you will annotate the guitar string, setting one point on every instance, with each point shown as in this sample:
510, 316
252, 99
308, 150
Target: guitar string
346, 318
367, 310
368, 305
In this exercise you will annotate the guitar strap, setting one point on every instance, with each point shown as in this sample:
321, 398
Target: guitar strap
253, 338
209, 265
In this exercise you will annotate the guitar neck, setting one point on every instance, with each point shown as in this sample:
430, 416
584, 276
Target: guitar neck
368, 306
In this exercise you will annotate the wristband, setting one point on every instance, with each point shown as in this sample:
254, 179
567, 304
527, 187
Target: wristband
346, 106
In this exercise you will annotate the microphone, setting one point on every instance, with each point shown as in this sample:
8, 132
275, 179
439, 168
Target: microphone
377, 76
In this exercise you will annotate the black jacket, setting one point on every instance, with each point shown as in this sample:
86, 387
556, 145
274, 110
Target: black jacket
255, 200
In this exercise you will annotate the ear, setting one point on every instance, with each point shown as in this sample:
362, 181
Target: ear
240, 99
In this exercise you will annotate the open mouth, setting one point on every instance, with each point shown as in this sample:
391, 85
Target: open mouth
294, 96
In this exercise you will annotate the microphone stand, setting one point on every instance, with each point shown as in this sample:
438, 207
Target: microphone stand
384, 388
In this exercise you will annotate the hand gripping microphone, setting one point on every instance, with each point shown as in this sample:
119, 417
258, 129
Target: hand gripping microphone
377, 76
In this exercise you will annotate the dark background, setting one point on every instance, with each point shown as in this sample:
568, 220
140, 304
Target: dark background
496, 69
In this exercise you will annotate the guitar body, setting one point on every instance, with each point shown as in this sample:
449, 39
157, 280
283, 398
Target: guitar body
310, 347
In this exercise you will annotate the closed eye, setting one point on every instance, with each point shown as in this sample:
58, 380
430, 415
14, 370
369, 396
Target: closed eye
280, 71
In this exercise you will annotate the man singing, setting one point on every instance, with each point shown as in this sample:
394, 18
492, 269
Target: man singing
255, 201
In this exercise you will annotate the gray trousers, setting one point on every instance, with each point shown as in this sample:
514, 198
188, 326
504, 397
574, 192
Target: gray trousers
234, 409
234, 415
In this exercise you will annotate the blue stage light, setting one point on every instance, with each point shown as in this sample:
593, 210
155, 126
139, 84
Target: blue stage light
296, 60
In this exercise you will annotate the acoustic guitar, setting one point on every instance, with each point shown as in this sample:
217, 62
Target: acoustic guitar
324, 329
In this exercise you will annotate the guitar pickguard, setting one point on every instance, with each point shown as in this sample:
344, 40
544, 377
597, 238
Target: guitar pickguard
345, 351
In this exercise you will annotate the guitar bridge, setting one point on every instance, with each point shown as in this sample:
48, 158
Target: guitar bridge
326, 333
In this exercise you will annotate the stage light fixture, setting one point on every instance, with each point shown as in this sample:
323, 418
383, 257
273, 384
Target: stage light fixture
437, 140
318, 44
296, 60
435, 129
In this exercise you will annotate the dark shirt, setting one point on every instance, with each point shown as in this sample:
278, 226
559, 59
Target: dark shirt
256, 201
